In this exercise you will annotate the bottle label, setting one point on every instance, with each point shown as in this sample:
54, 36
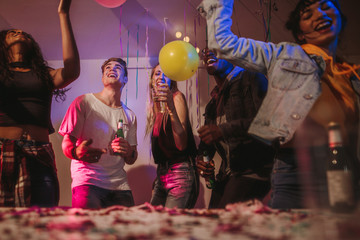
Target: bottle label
340, 187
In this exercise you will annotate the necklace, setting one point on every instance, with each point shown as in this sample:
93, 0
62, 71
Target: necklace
19, 65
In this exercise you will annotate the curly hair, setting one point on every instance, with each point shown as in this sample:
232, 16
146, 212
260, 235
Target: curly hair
150, 116
34, 58
293, 21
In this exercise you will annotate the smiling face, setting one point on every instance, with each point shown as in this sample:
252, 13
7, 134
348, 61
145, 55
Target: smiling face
214, 65
158, 76
320, 23
114, 74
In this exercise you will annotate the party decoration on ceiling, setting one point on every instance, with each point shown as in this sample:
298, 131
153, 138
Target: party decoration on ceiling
178, 60
111, 3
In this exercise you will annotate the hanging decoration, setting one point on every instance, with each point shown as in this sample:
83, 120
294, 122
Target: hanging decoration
206, 46
147, 36
266, 20
185, 35
127, 58
164, 30
196, 83
137, 60
121, 46
111, 3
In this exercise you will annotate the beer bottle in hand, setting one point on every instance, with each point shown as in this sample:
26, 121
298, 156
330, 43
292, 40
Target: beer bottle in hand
339, 174
119, 131
210, 181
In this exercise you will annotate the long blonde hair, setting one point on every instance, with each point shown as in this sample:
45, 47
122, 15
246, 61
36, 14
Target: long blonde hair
150, 116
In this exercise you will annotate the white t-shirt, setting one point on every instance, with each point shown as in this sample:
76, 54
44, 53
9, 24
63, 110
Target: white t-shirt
88, 117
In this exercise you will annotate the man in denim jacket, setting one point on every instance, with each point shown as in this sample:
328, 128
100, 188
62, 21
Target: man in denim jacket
294, 90
246, 163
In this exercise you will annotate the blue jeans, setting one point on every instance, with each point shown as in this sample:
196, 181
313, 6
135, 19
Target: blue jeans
299, 178
175, 186
44, 186
90, 196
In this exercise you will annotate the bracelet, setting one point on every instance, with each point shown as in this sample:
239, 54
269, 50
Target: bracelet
73, 153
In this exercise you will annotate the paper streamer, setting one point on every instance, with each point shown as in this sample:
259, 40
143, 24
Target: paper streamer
127, 59
121, 46
147, 37
197, 83
164, 30
137, 60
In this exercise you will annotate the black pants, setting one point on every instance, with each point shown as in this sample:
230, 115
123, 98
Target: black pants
238, 188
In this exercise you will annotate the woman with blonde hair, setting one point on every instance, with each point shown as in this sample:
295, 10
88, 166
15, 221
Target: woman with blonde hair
172, 143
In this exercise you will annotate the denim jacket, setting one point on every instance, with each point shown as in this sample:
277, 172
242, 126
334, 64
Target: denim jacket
239, 99
293, 75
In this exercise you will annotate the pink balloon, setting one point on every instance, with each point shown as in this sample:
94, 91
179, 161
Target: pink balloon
111, 3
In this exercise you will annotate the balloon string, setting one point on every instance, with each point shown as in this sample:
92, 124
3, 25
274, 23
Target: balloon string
137, 59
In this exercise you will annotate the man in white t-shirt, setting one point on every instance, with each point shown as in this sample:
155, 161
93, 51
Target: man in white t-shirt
98, 157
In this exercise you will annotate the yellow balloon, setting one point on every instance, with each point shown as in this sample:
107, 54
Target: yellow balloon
178, 60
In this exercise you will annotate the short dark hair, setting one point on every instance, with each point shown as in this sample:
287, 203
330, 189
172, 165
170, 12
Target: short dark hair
119, 60
293, 21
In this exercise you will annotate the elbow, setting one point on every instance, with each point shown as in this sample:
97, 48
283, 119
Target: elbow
132, 159
181, 146
73, 75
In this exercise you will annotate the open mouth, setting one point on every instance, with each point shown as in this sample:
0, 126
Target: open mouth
323, 25
112, 75
210, 61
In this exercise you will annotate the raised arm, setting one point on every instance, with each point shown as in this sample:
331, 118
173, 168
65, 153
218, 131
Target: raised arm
246, 53
71, 70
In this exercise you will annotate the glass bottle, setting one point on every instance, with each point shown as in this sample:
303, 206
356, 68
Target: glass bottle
210, 181
339, 174
119, 131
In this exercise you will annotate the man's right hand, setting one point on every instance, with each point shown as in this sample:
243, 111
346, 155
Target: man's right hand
205, 169
88, 154
210, 133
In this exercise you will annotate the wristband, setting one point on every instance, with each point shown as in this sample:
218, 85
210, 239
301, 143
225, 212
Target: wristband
73, 153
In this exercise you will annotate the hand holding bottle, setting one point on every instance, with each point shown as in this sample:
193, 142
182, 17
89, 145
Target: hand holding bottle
121, 147
206, 169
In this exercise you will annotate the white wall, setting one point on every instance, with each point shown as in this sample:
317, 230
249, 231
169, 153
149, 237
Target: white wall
142, 173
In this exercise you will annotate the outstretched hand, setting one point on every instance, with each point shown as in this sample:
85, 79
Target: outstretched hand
88, 154
64, 6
